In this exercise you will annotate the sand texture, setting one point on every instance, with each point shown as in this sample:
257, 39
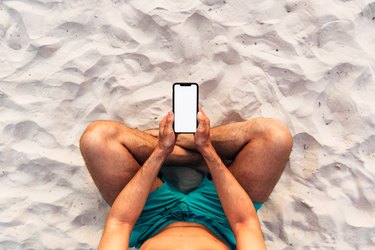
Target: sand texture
311, 64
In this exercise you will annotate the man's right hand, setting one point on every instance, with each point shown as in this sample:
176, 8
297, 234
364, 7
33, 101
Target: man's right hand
202, 134
167, 137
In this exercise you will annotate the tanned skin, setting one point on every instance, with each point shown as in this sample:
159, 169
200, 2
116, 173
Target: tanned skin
129, 204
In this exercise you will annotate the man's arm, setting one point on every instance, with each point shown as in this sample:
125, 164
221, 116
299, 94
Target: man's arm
236, 203
130, 202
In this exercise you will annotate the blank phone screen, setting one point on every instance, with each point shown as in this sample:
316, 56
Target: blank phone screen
185, 105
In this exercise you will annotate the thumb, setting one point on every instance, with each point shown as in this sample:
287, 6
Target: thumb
201, 120
169, 119
200, 115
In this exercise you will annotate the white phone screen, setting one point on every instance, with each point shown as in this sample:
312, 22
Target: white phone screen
185, 104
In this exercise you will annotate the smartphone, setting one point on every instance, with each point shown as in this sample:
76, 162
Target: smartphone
185, 107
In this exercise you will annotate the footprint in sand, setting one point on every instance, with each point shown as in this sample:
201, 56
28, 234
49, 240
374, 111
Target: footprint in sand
369, 11
305, 155
29, 130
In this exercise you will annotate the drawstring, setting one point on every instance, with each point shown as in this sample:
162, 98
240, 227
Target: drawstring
180, 210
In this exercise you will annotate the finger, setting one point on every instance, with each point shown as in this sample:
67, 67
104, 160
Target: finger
201, 110
202, 115
164, 120
169, 119
162, 123
168, 126
202, 121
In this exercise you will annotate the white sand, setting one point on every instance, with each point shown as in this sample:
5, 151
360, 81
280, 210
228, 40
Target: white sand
311, 64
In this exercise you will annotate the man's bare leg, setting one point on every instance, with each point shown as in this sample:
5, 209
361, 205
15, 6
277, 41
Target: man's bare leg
259, 148
114, 152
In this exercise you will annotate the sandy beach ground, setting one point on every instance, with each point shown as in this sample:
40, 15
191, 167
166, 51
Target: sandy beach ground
311, 64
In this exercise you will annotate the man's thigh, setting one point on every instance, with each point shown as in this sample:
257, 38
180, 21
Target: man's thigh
107, 148
260, 148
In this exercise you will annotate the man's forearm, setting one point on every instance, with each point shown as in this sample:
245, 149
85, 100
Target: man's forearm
236, 203
131, 200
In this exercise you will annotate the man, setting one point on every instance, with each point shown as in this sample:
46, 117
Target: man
219, 214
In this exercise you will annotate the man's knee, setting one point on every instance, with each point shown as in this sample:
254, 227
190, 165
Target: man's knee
275, 132
96, 134
281, 135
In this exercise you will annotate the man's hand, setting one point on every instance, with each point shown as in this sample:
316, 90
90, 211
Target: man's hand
202, 135
242, 219
130, 202
167, 137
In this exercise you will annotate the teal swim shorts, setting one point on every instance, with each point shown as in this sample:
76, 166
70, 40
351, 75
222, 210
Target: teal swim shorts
167, 204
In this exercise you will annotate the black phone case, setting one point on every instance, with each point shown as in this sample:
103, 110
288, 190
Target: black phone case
185, 84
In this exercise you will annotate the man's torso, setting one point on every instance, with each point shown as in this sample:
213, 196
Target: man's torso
185, 235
